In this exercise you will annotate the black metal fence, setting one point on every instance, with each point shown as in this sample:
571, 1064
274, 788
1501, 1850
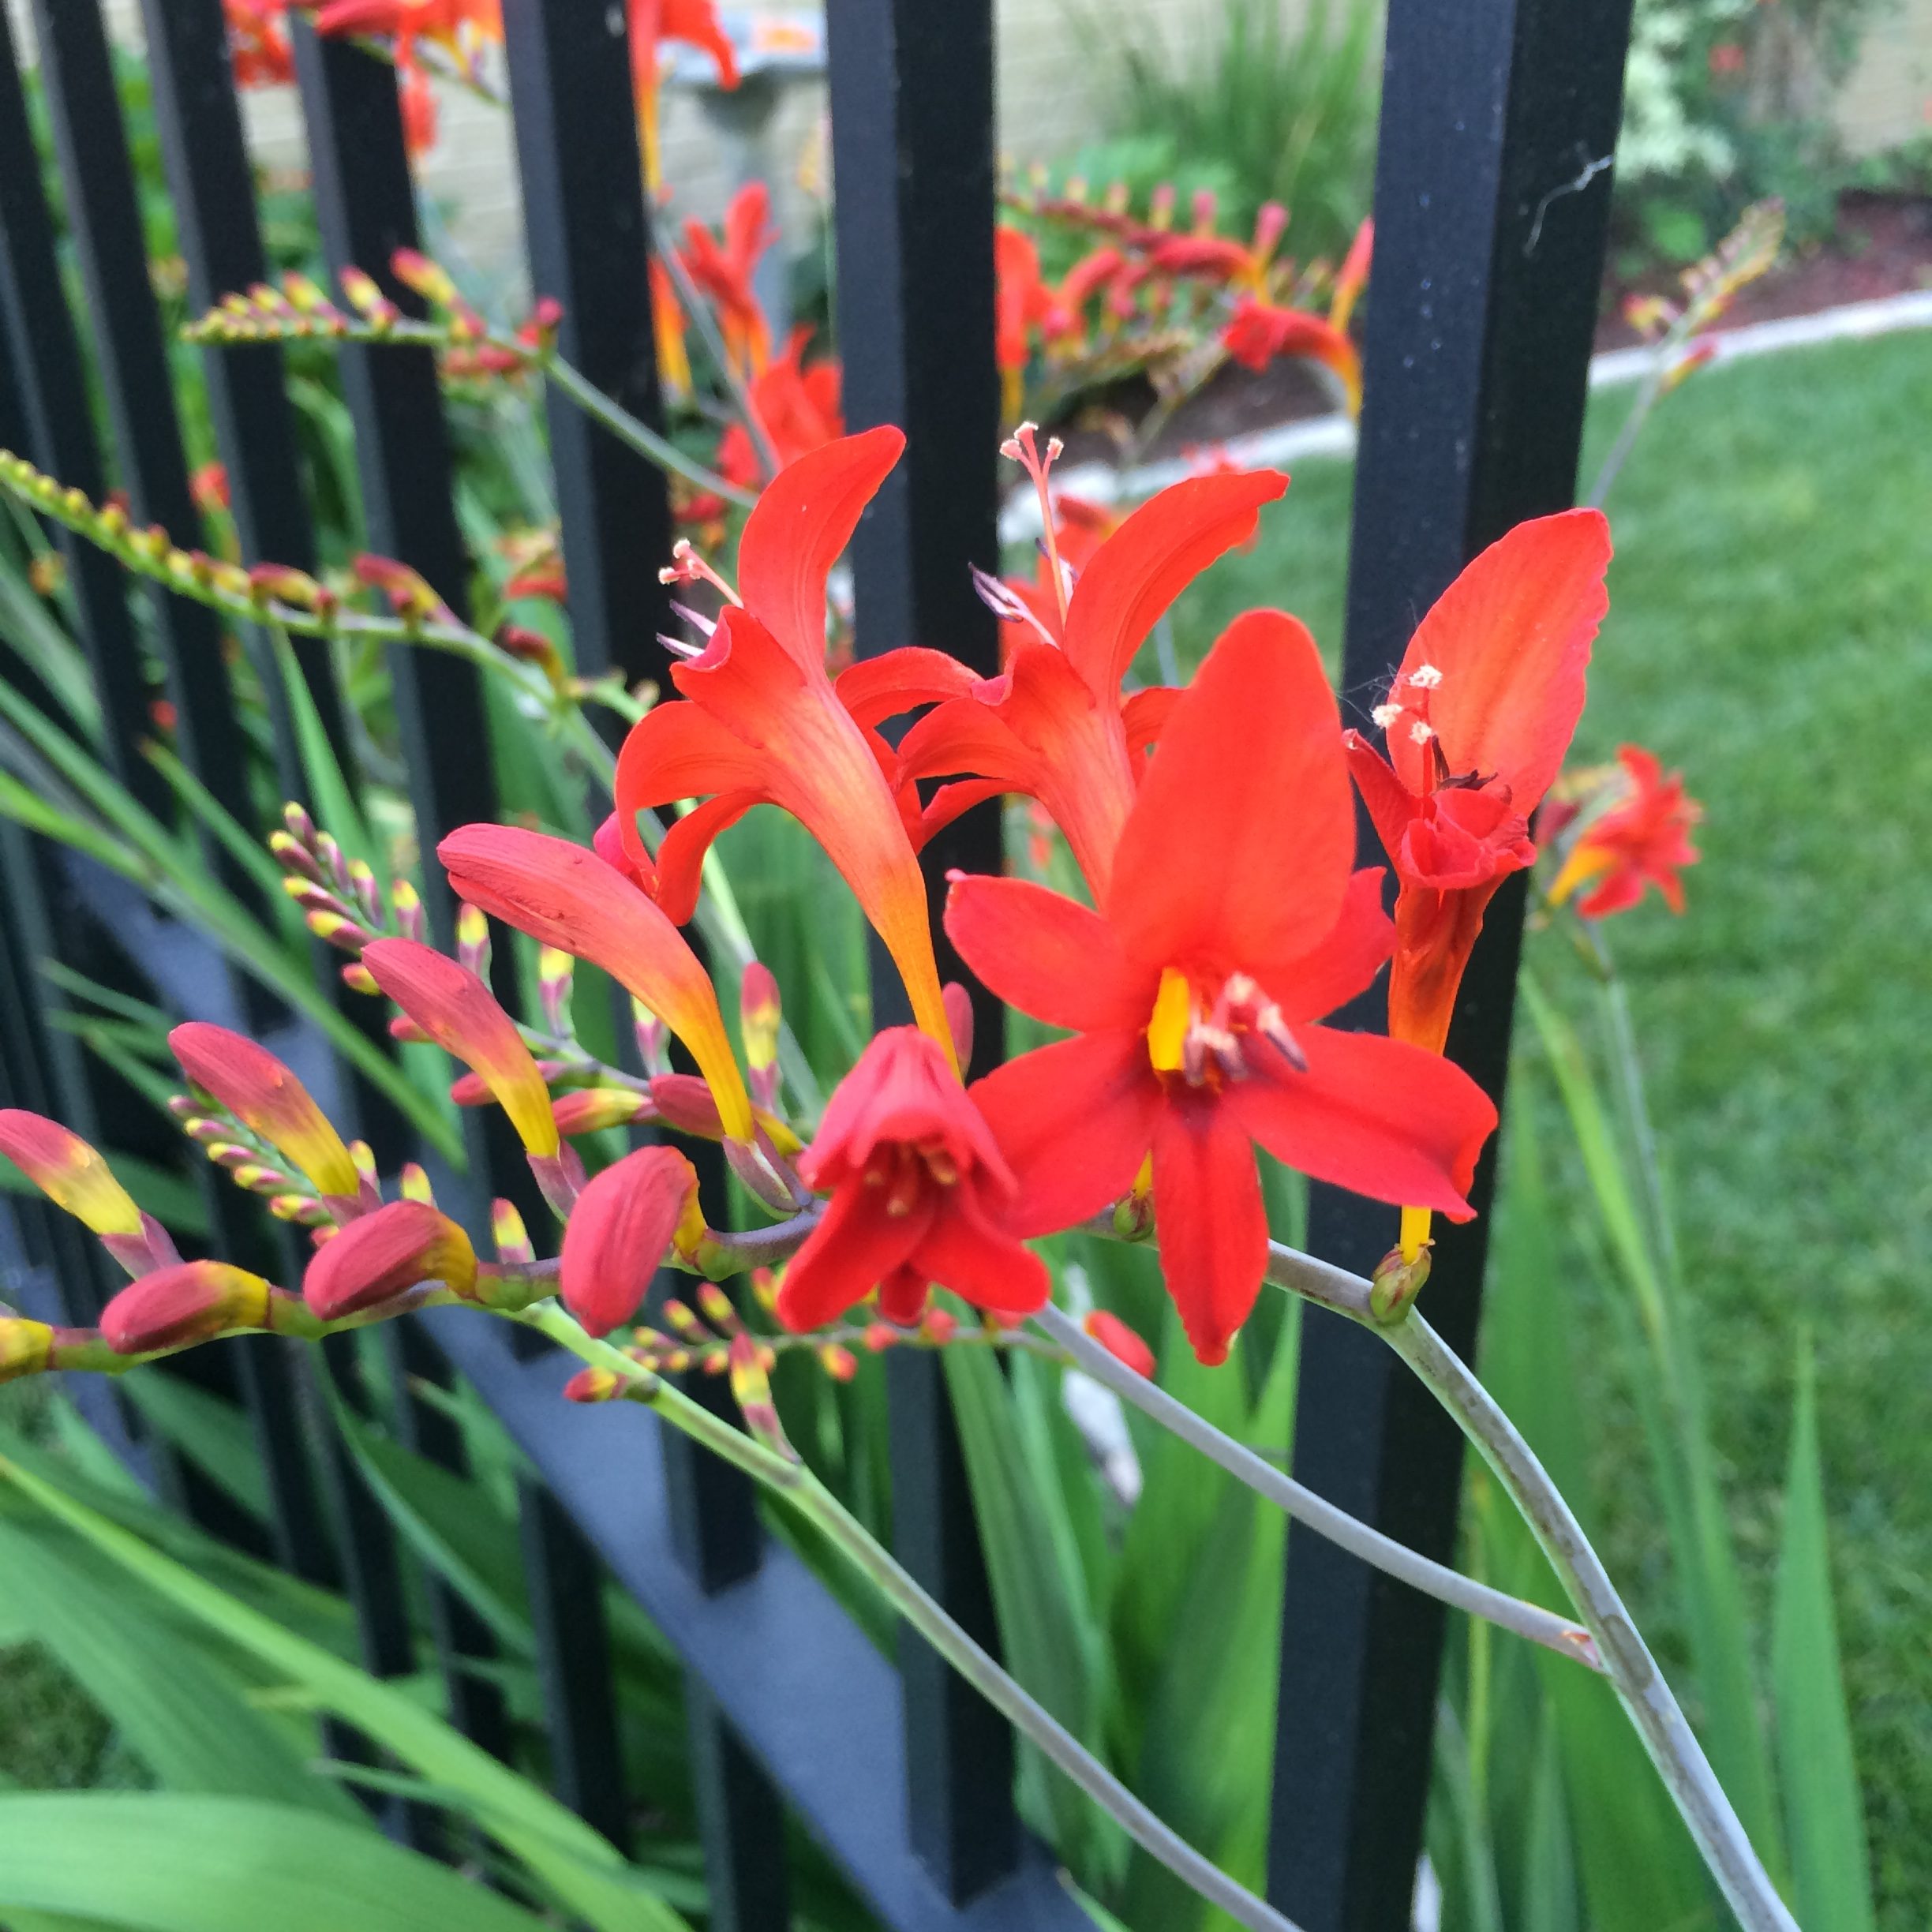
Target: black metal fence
1490, 206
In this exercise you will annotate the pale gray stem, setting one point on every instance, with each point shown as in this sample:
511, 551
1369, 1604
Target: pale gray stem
1346, 1532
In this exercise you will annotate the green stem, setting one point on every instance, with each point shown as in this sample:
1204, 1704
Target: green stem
1433, 1579
1673, 1748
802, 1491
637, 435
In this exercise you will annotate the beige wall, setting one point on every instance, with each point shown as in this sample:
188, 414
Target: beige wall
1888, 99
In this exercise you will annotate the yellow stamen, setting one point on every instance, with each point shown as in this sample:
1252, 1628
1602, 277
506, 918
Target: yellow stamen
1415, 1231
1167, 1031
1581, 868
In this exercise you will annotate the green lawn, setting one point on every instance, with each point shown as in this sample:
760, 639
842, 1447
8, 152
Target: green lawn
1771, 632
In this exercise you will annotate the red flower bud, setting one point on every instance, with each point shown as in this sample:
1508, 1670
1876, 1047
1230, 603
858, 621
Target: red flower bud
175, 1306
593, 1385
591, 1108
623, 1224
261, 1092
460, 1013
383, 1254
1121, 1341
71, 1173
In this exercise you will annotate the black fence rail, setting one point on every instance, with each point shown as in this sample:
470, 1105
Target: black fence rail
1490, 202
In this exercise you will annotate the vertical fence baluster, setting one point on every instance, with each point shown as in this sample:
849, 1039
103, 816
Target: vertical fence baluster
365, 206
588, 242
912, 144
1491, 203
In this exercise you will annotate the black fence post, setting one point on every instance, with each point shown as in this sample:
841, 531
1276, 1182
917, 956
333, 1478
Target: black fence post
1492, 190
588, 238
913, 143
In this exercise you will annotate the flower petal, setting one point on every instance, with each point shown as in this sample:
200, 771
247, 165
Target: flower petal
1047, 954
71, 1173
460, 1013
1151, 559
376, 1258
681, 850
1511, 637
677, 751
1239, 848
799, 527
1208, 1217
1374, 1116
877, 688
857, 1245
1074, 1120
566, 896
261, 1093
1345, 963
965, 1250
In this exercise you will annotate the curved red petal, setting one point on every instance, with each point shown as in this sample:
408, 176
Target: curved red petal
1511, 637
1392, 807
1147, 564
1144, 716
1345, 963
1373, 1115
1208, 1217
681, 850
1074, 1120
678, 751
799, 527
966, 1250
1047, 955
877, 688
950, 801
1239, 848
857, 1245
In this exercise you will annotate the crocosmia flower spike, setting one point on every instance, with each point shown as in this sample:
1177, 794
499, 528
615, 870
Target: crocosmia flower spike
1231, 924
920, 1190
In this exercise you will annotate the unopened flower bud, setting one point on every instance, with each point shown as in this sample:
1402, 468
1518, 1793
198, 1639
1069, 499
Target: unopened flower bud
1395, 1284
623, 1224
593, 1385
24, 1346
383, 1255
512, 1238
261, 1092
760, 1016
589, 1110
175, 1306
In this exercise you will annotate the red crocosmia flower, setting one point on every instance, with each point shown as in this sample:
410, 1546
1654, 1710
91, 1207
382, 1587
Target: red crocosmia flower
625, 1222
767, 725
1258, 332
261, 1093
1054, 725
456, 26
919, 1191
1231, 923
723, 266
175, 1306
570, 899
1021, 299
377, 1258
1477, 723
798, 409
1218, 258
1644, 841
694, 22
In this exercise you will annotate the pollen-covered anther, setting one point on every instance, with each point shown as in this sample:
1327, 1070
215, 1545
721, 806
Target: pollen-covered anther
1424, 677
1385, 715
1420, 733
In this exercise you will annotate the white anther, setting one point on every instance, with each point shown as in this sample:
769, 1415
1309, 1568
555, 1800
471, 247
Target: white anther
1385, 715
1425, 677
1420, 733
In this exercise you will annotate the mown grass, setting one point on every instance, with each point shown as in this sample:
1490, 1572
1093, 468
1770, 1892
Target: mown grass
1771, 632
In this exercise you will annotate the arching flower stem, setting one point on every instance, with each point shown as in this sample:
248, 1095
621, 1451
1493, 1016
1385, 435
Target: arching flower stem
803, 1492
1641, 1687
